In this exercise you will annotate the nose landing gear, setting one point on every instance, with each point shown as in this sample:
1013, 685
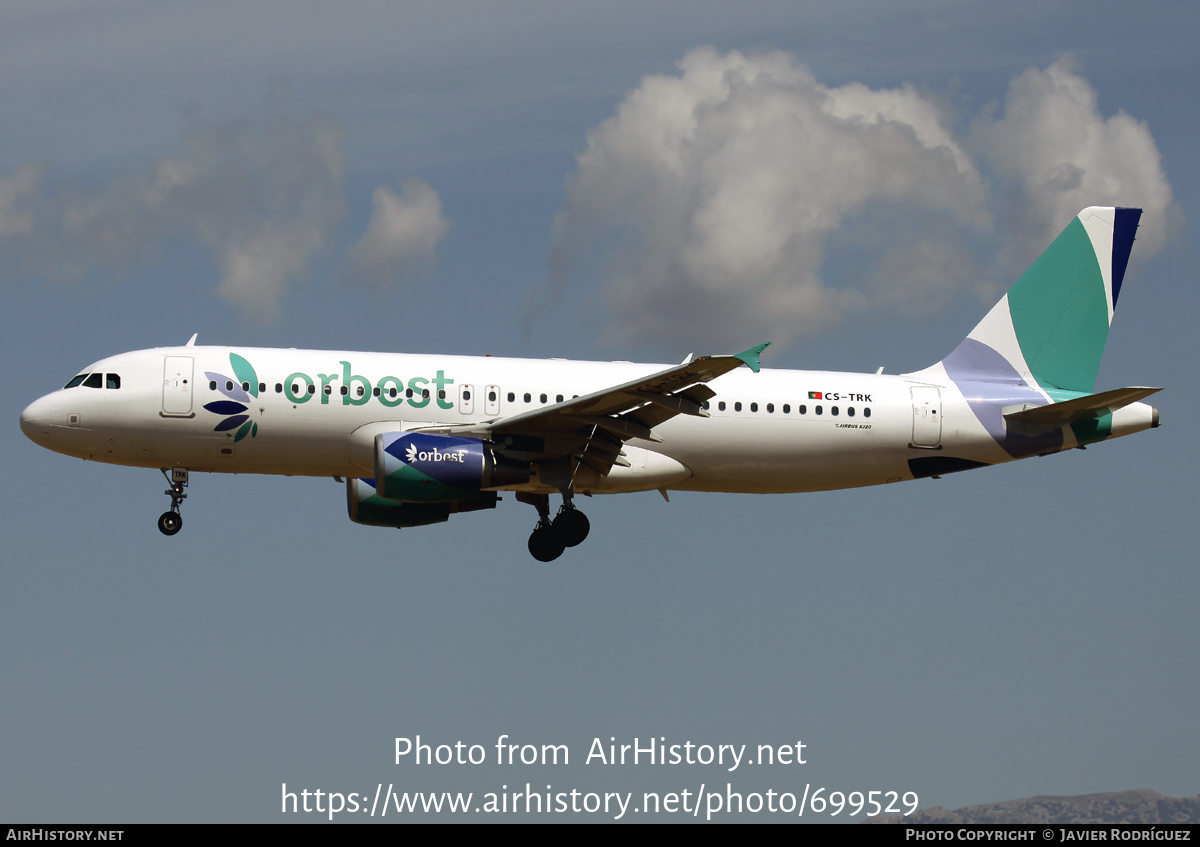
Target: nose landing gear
171, 522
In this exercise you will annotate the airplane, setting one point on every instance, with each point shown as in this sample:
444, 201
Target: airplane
417, 438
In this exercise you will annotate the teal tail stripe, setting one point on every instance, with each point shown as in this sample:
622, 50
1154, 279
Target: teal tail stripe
1061, 306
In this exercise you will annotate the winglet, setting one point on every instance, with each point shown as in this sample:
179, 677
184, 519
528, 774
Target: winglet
750, 357
192, 340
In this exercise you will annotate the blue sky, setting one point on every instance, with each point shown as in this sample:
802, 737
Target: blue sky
608, 181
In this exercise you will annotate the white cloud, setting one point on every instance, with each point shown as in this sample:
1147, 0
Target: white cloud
720, 198
17, 193
403, 234
264, 197
1057, 154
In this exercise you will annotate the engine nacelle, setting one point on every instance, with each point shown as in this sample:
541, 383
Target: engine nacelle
413, 467
367, 507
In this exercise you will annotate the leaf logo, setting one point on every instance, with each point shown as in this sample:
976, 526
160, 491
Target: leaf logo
410, 455
233, 410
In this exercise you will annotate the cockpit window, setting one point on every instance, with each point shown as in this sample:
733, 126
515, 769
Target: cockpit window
112, 381
94, 381
76, 381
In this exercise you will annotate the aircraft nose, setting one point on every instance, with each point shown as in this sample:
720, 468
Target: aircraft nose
36, 419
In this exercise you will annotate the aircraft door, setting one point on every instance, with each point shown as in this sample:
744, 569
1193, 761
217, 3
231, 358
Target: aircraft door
466, 399
491, 400
177, 387
927, 417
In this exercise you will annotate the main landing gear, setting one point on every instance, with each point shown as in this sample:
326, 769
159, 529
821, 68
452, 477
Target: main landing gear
550, 537
171, 522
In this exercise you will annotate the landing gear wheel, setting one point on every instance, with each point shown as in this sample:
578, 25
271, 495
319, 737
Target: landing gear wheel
572, 526
169, 523
545, 543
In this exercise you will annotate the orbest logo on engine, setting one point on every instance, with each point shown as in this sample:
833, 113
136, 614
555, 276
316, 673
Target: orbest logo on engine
411, 455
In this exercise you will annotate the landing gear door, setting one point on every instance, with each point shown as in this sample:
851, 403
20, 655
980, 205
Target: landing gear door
177, 387
927, 417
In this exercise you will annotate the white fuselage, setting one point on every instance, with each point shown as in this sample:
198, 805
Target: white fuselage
767, 432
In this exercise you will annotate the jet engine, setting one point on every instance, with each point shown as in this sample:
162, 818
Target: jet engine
367, 507
414, 467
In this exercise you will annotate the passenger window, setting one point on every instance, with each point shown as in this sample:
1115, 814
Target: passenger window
721, 405
229, 385
441, 394
466, 395
112, 381
408, 392
770, 407
212, 385
737, 407
93, 381
754, 407
528, 397
345, 390
704, 405
312, 388
802, 409
511, 397
425, 393
361, 391
543, 398
491, 396
375, 391
79, 381
262, 388
328, 389
850, 411
786, 408
392, 393
866, 413
833, 410
245, 386
279, 388
817, 409
558, 399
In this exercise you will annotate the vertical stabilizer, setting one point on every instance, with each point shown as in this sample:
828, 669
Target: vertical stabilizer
1051, 327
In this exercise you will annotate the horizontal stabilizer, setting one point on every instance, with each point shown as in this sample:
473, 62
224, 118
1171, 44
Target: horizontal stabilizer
1030, 420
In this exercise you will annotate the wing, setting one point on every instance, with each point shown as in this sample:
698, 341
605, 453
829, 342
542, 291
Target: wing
592, 429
